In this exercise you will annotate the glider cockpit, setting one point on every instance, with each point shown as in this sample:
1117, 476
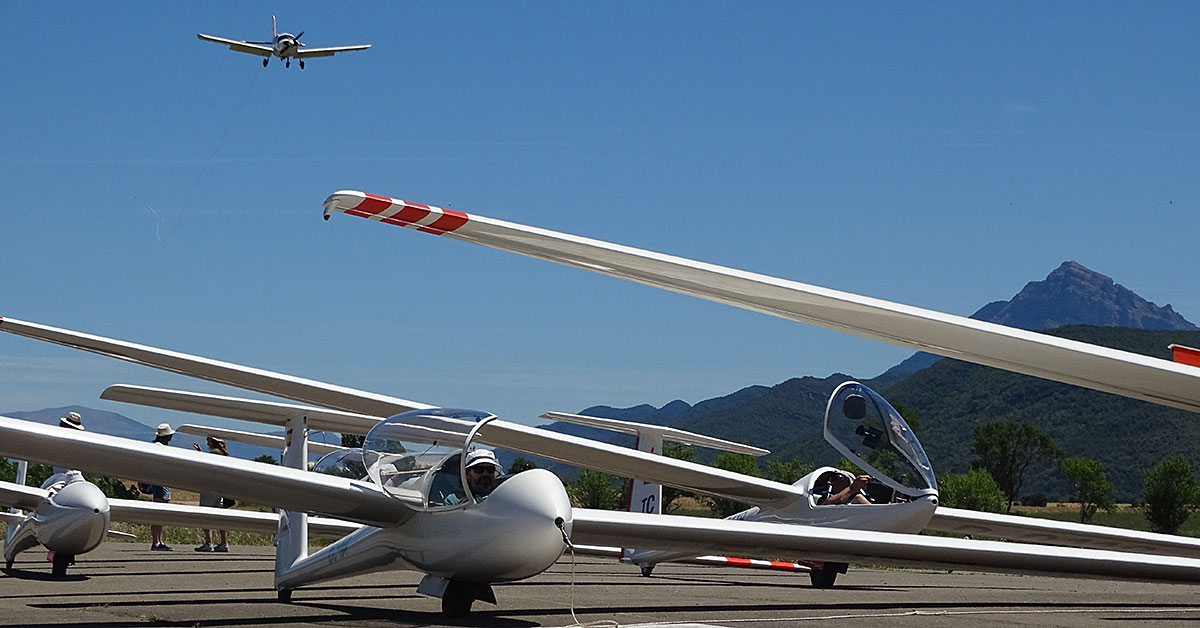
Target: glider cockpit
871, 434
419, 456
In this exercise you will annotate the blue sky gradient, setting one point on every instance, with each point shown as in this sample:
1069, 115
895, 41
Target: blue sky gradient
167, 191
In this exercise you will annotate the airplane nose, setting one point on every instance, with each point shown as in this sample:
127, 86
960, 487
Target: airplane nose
528, 515
74, 520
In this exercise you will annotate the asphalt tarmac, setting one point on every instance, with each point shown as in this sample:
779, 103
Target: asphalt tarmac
123, 584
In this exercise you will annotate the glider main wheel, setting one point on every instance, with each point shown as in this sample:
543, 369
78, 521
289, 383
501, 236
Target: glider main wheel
457, 599
285, 595
823, 578
61, 562
647, 570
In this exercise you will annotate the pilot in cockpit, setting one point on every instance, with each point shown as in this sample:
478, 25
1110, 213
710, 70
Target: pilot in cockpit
483, 472
836, 487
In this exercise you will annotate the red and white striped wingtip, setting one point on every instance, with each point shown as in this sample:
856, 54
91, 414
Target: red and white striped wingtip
426, 218
753, 563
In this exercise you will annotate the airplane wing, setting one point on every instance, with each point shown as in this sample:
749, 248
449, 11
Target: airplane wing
152, 513
748, 538
572, 450
308, 53
1050, 532
258, 380
253, 438
20, 496
1018, 350
290, 489
238, 45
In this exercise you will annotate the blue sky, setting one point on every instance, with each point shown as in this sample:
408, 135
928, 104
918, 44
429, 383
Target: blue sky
167, 191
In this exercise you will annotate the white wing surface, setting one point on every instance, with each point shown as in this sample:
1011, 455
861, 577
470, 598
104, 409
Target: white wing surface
1031, 530
152, 513
1017, 350
746, 538
308, 53
23, 497
667, 433
253, 438
290, 489
573, 450
253, 410
258, 380
238, 45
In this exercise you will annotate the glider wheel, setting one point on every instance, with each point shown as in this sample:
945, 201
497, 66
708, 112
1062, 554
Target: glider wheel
457, 599
285, 595
61, 562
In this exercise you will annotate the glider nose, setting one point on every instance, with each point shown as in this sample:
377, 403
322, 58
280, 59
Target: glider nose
74, 520
530, 514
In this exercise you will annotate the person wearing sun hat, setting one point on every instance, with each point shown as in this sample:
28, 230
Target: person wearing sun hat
160, 494
73, 422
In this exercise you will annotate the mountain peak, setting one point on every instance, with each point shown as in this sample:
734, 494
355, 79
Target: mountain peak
1073, 294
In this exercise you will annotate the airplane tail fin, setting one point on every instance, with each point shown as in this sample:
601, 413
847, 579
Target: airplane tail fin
292, 537
274, 32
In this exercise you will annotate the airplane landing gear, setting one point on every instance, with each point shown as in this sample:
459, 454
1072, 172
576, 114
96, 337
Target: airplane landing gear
823, 578
265, 62
647, 570
459, 596
285, 595
287, 63
301, 62
61, 562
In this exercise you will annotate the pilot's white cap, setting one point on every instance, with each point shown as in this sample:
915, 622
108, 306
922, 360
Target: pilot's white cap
72, 420
482, 456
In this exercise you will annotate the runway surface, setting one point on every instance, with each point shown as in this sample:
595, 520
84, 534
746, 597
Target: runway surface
123, 584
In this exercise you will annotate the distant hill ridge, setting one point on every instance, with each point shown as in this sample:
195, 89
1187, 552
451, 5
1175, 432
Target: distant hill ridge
952, 398
1071, 294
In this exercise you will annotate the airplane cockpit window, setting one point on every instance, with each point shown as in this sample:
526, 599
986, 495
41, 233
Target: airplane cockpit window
871, 433
417, 456
344, 463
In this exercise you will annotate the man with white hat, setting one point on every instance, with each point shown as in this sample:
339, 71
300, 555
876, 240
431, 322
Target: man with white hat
482, 471
74, 422
160, 494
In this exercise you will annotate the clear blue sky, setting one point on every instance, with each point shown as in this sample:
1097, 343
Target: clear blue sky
167, 191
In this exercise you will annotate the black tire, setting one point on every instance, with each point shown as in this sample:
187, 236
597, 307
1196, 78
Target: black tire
265, 62
8, 564
285, 595
457, 599
301, 65
824, 578
61, 562
647, 570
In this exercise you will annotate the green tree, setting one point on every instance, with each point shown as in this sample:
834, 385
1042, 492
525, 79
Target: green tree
594, 489
520, 464
353, 440
1170, 494
1007, 449
1090, 486
670, 494
738, 463
973, 490
787, 471
36, 474
266, 459
908, 415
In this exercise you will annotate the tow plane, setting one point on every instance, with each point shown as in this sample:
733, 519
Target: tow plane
285, 46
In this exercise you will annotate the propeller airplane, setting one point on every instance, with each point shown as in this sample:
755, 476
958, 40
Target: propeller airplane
285, 46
